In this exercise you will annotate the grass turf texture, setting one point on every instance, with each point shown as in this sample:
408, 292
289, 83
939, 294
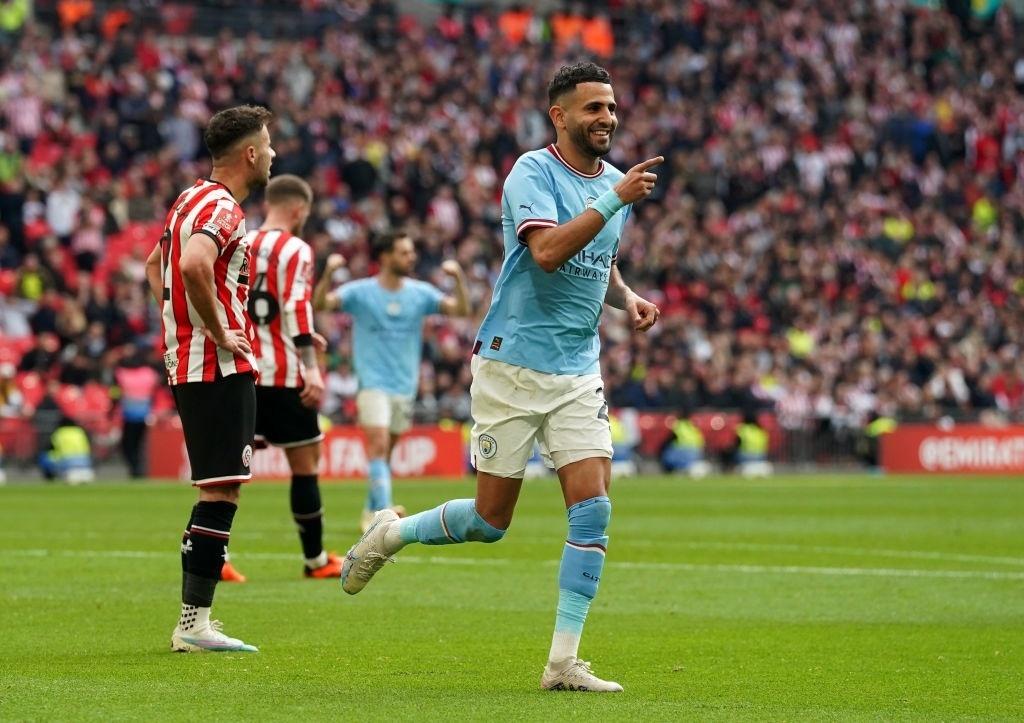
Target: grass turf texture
821, 598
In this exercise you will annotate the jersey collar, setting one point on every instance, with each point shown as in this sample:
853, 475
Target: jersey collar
561, 159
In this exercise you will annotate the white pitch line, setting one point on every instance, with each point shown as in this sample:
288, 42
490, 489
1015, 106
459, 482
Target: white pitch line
822, 549
677, 566
864, 551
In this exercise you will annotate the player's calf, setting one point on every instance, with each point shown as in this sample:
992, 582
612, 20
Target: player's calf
578, 577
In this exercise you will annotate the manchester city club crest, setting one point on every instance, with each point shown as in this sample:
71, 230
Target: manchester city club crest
487, 446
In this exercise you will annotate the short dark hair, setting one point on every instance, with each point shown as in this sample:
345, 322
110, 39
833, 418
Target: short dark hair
287, 187
569, 76
384, 243
231, 125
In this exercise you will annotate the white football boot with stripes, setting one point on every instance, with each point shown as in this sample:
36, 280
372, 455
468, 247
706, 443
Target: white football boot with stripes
207, 638
369, 554
577, 676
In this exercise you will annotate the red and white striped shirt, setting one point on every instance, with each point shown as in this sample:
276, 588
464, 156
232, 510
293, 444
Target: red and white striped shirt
281, 304
206, 208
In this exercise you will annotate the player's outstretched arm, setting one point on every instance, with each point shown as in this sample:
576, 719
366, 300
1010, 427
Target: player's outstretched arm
457, 305
154, 277
197, 260
642, 313
323, 298
552, 247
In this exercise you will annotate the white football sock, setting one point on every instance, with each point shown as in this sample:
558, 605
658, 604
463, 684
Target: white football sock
193, 617
564, 646
319, 561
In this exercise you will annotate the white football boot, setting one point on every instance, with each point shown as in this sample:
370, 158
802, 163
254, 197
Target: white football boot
366, 518
367, 556
207, 638
577, 676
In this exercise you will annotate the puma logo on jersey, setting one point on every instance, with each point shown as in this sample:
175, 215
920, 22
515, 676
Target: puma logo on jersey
528, 207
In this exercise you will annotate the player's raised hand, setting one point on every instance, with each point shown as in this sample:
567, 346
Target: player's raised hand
451, 268
642, 313
638, 181
334, 262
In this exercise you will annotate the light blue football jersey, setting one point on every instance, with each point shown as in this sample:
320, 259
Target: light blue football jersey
388, 331
548, 322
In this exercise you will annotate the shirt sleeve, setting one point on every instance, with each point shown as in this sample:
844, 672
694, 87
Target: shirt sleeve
348, 297
431, 297
298, 307
530, 197
219, 221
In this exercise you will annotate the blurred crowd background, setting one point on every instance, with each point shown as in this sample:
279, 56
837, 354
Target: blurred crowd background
836, 234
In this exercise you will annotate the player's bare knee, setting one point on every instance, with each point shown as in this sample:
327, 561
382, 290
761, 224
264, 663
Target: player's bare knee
304, 460
481, 529
220, 493
497, 516
377, 442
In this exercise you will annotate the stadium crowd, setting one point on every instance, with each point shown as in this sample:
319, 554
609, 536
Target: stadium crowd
837, 230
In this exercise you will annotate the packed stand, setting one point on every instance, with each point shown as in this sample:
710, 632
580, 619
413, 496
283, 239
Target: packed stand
836, 231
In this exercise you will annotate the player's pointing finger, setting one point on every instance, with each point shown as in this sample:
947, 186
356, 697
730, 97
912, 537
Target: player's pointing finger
649, 163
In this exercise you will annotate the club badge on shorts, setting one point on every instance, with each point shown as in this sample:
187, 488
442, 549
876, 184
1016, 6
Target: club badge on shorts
487, 446
247, 455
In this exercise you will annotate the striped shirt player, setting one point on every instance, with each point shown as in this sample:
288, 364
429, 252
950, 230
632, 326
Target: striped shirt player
199, 277
290, 386
280, 307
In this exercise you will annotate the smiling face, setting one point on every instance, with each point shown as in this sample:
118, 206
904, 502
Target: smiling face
586, 116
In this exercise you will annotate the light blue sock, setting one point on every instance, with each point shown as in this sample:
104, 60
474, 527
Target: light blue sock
453, 522
378, 496
579, 574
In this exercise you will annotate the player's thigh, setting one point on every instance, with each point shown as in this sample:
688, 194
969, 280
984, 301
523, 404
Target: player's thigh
373, 408
576, 428
504, 426
218, 419
401, 414
283, 420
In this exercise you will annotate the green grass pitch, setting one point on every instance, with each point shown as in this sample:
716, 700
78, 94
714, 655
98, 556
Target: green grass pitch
796, 598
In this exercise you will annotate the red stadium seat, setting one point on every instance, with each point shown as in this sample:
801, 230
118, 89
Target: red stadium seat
71, 400
96, 398
32, 388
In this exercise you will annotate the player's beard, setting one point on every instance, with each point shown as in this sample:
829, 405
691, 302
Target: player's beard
260, 179
580, 136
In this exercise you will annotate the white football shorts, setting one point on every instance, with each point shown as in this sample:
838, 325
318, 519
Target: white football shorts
513, 406
377, 408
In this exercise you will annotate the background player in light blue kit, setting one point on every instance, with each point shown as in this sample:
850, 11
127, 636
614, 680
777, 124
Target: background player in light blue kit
535, 366
387, 312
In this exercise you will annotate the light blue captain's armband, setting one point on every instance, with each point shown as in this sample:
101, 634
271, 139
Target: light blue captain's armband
608, 204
